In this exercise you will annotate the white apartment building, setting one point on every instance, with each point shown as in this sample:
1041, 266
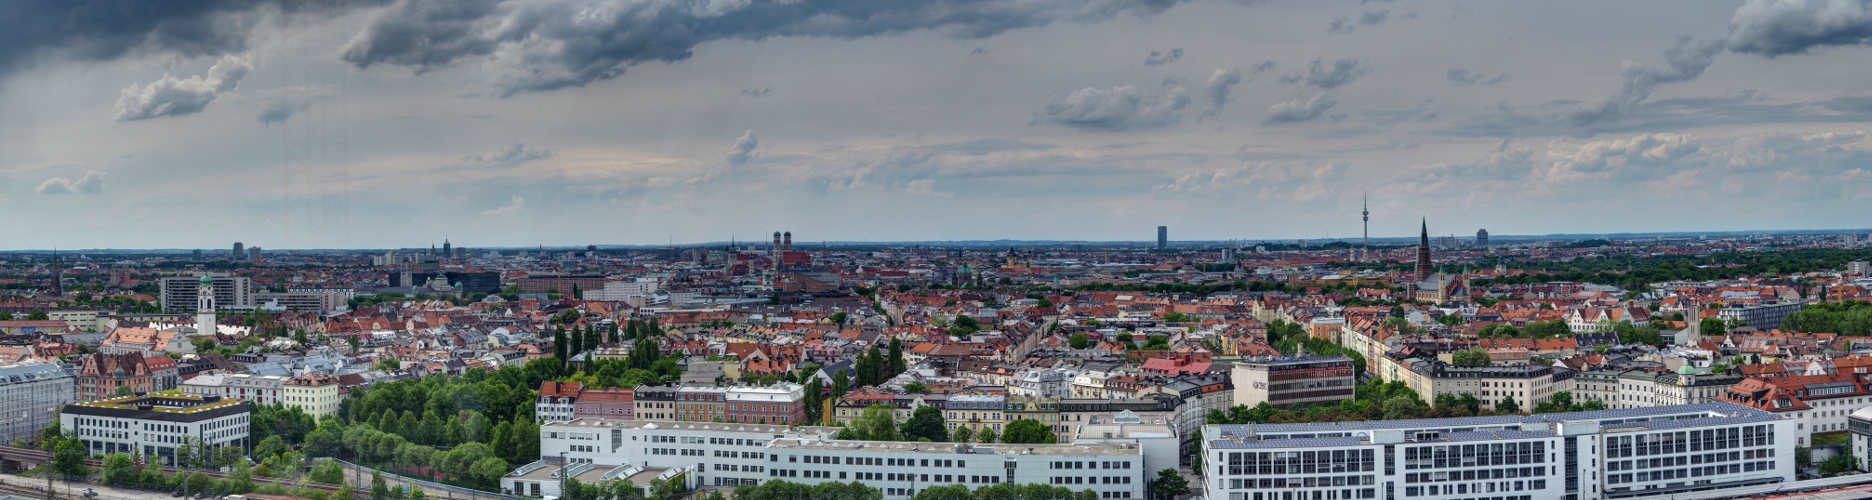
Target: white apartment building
1660, 450
31, 394
717, 454
156, 425
265, 389
316, 395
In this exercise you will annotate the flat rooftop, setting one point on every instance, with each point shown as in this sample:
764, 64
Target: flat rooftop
957, 448
1326, 434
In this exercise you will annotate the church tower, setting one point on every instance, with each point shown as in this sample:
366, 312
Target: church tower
1423, 252
205, 307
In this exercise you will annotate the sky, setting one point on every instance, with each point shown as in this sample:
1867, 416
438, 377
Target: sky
500, 123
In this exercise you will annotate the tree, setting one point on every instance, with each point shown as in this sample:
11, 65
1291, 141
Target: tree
379, 489
925, 423
987, 435
962, 434
841, 384
897, 363
815, 400
1402, 407
270, 447
877, 424
1079, 341
1169, 485
946, 492
119, 469
839, 318
1507, 404
1027, 431
559, 345
37, 315
1474, 356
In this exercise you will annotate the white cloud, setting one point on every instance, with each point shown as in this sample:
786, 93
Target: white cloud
743, 149
1299, 111
517, 204
169, 96
1118, 109
91, 183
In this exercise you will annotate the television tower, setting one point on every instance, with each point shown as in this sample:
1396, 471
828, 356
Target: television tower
1366, 215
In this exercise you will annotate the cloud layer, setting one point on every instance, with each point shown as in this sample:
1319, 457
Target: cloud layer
543, 45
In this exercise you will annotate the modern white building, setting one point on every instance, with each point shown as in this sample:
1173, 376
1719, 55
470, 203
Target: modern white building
1595, 455
264, 389
31, 394
157, 424
727, 454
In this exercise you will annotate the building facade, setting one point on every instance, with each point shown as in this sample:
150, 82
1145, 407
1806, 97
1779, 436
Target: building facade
1555, 456
31, 394
727, 455
179, 293
157, 425
316, 395
1284, 382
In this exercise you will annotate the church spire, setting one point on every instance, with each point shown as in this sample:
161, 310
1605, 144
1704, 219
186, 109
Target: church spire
1424, 239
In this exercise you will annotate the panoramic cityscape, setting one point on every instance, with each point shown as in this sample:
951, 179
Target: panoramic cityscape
935, 250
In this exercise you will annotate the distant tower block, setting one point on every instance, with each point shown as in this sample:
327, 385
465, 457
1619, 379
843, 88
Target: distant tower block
1163, 237
1481, 238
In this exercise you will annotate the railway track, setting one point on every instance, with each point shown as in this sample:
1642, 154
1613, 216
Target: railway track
41, 456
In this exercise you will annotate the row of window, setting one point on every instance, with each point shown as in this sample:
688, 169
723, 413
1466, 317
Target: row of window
1708, 470
874, 461
1089, 480
739, 454
1301, 482
736, 441
1475, 475
1697, 440
1479, 488
1299, 462
1317, 495
1706, 458
1474, 455
740, 468
1089, 465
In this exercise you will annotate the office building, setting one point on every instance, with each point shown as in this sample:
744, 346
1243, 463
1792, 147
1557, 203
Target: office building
412, 275
561, 283
1659, 450
1481, 238
1528, 385
31, 394
1765, 316
731, 454
239, 253
1163, 237
1287, 381
156, 425
179, 293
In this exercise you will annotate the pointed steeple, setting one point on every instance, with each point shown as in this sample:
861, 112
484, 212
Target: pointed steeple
1424, 239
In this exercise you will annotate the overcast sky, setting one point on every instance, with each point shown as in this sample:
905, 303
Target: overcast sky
528, 122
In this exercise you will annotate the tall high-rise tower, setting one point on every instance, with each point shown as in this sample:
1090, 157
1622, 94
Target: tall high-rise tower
1423, 252
58, 276
1481, 238
447, 250
1163, 237
239, 252
1365, 217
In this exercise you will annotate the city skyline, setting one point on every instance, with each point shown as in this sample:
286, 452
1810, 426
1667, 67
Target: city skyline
161, 127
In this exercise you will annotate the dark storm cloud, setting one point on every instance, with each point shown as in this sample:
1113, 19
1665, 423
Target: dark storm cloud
103, 30
1161, 58
544, 45
1684, 60
1780, 27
